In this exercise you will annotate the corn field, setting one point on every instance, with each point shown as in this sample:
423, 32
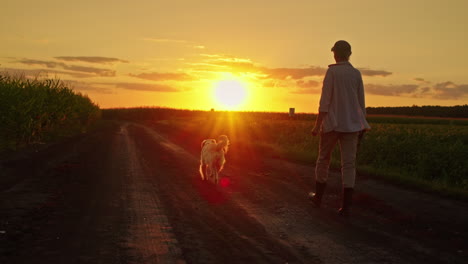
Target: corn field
32, 109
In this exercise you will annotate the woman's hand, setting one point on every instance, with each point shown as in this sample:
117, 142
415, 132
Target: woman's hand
318, 123
315, 131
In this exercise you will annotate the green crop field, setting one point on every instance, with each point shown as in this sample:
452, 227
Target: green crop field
424, 152
33, 111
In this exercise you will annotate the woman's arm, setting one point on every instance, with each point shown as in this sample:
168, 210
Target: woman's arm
318, 123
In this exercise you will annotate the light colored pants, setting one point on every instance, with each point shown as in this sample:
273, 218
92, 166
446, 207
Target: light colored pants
348, 147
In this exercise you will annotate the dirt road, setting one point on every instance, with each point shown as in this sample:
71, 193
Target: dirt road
126, 193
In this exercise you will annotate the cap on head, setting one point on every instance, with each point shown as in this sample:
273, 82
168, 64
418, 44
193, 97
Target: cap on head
342, 49
341, 46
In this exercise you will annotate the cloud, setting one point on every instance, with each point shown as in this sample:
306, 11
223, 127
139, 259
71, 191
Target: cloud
450, 90
295, 87
92, 59
237, 65
44, 73
75, 74
48, 64
87, 87
391, 90
25, 72
240, 65
97, 71
156, 76
299, 73
425, 90
146, 87
293, 73
75, 68
270, 83
421, 80
442, 91
308, 83
301, 86
47, 74
369, 72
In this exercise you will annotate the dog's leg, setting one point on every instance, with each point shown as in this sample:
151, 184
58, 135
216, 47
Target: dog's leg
213, 174
201, 172
216, 174
208, 172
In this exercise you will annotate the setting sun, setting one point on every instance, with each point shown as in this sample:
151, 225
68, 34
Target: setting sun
230, 94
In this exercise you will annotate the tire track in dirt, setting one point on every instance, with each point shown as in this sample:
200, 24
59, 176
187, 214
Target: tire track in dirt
151, 239
80, 221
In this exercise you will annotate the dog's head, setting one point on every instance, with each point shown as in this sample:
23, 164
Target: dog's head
223, 143
207, 142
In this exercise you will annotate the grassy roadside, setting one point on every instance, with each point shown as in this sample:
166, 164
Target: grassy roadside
409, 181
432, 158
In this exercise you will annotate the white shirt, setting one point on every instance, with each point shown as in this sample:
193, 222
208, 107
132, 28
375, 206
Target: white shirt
343, 99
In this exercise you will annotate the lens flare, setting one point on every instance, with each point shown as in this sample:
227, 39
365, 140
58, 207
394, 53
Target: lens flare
224, 182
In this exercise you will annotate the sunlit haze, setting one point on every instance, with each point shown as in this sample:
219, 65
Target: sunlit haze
254, 55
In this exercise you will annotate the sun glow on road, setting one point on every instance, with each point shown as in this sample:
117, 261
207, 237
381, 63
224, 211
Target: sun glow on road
230, 94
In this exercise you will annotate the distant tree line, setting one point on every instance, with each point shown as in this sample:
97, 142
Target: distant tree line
458, 111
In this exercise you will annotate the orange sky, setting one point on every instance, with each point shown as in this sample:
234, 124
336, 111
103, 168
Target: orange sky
172, 53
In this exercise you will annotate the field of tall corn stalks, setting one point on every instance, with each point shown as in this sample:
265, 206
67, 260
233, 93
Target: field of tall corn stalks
431, 153
33, 110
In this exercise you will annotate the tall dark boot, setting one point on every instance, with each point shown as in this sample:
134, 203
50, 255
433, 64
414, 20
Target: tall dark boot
345, 209
316, 197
